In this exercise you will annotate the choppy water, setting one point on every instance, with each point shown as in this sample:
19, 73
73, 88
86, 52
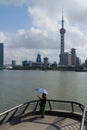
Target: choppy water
17, 87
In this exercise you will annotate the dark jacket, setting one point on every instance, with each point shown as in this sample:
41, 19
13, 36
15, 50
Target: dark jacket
42, 101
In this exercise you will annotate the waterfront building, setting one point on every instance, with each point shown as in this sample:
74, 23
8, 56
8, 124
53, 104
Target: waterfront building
37, 65
69, 59
54, 65
1, 55
78, 61
64, 59
13, 63
30, 63
86, 63
25, 63
45, 60
73, 57
38, 59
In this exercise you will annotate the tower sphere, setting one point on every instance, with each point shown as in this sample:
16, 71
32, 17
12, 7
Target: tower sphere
62, 30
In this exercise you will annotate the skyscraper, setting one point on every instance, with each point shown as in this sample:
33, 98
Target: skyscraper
1, 55
73, 57
38, 59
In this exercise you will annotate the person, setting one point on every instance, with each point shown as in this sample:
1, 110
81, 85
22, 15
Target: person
42, 104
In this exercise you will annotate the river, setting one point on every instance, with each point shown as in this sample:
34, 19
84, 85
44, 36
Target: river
17, 87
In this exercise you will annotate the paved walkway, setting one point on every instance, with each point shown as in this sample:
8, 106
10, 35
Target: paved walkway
47, 123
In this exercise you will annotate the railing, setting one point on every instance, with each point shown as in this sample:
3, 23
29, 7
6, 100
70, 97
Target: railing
32, 106
74, 107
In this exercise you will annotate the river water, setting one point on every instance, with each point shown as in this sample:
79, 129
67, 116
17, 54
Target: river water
17, 87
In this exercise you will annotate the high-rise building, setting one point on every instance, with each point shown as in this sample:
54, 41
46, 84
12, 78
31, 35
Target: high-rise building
69, 59
64, 59
86, 63
78, 61
13, 63
1, 55
45, 60
38, 59
73, 57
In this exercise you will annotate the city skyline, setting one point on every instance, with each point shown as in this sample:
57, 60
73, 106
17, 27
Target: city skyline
28, 27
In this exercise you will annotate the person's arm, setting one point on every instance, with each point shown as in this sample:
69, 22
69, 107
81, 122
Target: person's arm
39, 97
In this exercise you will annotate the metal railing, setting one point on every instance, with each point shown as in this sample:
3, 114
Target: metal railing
33, 106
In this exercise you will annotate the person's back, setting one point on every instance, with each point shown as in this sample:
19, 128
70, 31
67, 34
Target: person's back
43, 100
42, 105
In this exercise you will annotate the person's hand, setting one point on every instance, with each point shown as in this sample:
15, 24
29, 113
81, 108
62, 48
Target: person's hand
38, 96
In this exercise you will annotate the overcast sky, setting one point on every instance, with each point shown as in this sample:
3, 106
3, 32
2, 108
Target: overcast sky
29, 27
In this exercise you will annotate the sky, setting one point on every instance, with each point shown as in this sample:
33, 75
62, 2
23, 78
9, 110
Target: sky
29, 27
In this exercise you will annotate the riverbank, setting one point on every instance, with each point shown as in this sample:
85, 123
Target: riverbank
60, 68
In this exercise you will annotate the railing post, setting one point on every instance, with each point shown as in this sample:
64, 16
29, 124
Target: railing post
36, 106
3, 119
25, 108
50, 105
13, 114
72, 107
83, 119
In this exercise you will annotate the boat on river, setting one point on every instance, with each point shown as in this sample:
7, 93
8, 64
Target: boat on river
59, 115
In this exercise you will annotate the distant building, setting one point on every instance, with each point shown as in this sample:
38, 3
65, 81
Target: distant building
25, 63
38, 59
69, 60
37, 64
73, 57
1, 55
54, 65
86, 63
64, 59
13, 63
30, 63
78, 61
45, 60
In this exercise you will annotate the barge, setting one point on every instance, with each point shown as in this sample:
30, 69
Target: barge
59, 115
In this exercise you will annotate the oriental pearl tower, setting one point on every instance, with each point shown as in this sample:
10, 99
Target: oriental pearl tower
62, 32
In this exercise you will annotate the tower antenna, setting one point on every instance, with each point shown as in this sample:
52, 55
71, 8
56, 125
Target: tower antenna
62, 17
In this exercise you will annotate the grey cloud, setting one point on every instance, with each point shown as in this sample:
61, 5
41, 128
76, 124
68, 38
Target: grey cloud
33, 40
74, 10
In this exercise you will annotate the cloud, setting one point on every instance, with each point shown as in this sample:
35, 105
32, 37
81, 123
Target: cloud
2, 37
75, 10
32, 39
43, 36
